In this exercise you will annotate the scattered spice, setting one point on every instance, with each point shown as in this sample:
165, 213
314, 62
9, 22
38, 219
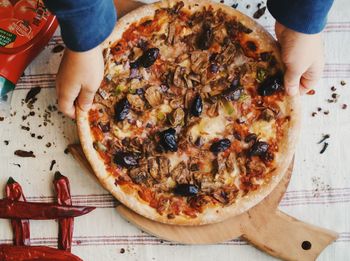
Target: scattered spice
16, 164
48, 145
53, 162
2, 118
25, 128
24, 154
122, 251
234, 5
333, 89
342, 83
325, 145
313, 114
31, 95
32, 135
58, 48
259, 13
326, 112
6, 142
311, 92
247, 6
324, 137
66, 151
39, 137
319, 109
344, 106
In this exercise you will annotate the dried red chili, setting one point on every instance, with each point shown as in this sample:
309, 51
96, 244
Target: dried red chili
66, 225
20, 227
28, 253
39, 211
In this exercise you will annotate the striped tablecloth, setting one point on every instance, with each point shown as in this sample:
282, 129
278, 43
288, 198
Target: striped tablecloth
319, 191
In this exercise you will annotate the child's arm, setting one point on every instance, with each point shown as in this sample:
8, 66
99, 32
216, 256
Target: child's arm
84, 25
298, 27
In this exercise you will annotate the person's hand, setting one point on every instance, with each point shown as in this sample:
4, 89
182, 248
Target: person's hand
81, 73
78, 79
302, 55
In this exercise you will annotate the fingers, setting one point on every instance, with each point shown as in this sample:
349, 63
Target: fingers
311, 77
85, 98
66, 97
292, 81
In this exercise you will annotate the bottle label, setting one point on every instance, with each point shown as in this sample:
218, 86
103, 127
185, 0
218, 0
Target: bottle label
20, 21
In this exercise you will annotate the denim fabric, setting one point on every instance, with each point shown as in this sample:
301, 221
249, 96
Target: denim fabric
84, 23
304, 16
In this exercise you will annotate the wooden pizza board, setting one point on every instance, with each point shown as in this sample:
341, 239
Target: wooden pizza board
263, 226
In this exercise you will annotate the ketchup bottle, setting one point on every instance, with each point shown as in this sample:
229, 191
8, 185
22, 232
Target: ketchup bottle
26, 26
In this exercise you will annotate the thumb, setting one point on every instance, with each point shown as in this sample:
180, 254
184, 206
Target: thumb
292, 82
85, 98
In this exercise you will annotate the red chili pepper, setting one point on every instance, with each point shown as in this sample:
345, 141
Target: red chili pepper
39, 211
31, 253
20, 227
65, 225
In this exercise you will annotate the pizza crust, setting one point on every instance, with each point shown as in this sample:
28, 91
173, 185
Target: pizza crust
130, 197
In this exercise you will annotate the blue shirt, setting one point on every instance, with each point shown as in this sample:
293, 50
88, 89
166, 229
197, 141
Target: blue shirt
86, 23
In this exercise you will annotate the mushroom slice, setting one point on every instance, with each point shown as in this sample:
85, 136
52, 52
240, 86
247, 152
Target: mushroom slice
153, 96
136, 102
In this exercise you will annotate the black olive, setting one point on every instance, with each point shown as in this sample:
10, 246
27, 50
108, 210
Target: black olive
146, 59
126, 159
251, 46
259, 148
104, 127
213, 57
237, 136
250, 137
234, 92
121, 109
265, 56
205, 38
197, 106
140, 91
214, 68
220, 146
167, 140
186, 190
271, 85
267, 157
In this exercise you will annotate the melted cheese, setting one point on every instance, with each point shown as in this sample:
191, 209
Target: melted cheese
209, 128
122, 133
265, 130
175, 159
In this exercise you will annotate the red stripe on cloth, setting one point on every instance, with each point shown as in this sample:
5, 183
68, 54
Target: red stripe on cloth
135, 240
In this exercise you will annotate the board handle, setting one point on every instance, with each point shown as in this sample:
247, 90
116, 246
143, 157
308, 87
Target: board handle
285, 237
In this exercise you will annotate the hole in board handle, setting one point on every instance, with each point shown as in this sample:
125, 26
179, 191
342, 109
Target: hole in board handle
306, 245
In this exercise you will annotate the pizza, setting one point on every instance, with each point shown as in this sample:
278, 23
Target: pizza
191, 124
